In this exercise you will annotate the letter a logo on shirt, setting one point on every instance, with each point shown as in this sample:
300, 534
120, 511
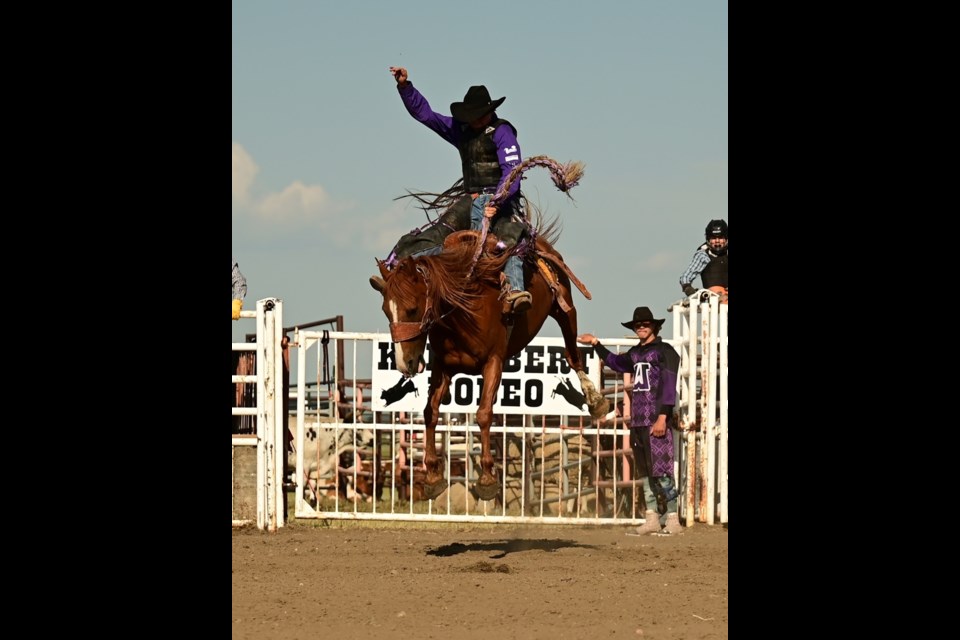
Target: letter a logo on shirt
641, 377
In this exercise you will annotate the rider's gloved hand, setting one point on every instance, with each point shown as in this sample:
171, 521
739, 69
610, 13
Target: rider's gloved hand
237, 304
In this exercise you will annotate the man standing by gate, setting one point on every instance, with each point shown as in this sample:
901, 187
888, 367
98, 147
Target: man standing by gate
654, 365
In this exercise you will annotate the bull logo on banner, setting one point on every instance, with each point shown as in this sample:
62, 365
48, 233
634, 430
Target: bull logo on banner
399, 391
569, 393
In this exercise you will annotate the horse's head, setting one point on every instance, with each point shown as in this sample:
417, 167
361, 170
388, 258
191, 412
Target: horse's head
409, 310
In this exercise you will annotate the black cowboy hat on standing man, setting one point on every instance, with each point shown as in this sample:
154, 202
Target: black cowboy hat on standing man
476, 104
641, 314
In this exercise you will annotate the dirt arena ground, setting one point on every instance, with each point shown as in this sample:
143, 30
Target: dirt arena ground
384, 580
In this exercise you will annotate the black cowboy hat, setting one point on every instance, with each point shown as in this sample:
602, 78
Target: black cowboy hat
476, 104
639, 315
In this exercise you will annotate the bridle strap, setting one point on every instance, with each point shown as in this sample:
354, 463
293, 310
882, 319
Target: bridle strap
405, 331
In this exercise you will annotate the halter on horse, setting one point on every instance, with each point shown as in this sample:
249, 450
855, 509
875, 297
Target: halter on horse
455, 302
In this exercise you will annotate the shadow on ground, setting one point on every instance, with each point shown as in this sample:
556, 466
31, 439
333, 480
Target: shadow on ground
506, 547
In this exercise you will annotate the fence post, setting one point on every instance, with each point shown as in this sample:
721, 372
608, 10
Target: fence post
723, 413
709, 364
269, 415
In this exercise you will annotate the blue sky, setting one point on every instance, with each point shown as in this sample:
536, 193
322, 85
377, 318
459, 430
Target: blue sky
322, 145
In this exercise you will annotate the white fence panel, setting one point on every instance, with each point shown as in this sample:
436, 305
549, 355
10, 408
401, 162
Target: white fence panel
700, 322
269, 412
556, 464
576, 493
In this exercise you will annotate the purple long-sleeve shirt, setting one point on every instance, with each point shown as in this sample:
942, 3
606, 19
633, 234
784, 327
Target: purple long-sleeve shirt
508, 149
655, 368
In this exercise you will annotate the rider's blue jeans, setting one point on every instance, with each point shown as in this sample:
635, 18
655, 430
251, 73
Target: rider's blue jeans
514, 267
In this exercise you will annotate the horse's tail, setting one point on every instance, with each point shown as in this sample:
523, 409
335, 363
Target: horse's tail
564, 176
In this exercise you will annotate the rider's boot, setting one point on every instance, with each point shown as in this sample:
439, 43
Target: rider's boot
519, 301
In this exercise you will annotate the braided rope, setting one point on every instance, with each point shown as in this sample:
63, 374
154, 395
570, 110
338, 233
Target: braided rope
564, 176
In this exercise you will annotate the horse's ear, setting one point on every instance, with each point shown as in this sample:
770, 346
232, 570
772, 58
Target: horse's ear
377, 283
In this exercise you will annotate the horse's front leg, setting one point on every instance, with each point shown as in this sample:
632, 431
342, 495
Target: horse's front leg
488, 485
597, 404
435, 481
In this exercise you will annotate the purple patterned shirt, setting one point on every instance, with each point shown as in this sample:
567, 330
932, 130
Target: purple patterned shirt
654, 367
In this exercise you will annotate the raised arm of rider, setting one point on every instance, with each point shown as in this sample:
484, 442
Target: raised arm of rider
400, 74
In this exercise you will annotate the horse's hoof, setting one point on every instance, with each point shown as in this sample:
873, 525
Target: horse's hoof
601, 409
488, 491
431, 491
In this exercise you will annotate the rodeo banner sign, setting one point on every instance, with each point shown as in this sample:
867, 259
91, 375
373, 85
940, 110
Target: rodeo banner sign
537, 379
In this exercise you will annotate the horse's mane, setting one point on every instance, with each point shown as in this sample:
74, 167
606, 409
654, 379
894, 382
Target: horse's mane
546, 230
438, 203
452, 281
453, 285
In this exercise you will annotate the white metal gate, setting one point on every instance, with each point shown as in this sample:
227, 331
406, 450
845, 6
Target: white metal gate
700, 333
577, 491
269, 411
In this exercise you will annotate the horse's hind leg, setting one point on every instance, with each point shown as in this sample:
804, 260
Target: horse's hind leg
435, 482
488, 486
598, 405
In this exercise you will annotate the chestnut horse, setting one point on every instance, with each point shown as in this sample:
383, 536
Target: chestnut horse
454, 298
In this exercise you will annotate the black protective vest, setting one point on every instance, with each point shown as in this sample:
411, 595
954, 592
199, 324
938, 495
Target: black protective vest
715, 273
478, 156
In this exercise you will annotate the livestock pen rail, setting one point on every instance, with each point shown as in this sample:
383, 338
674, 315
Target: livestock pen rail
555, 463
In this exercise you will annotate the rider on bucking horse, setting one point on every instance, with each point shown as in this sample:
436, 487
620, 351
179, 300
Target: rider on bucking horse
488, 152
